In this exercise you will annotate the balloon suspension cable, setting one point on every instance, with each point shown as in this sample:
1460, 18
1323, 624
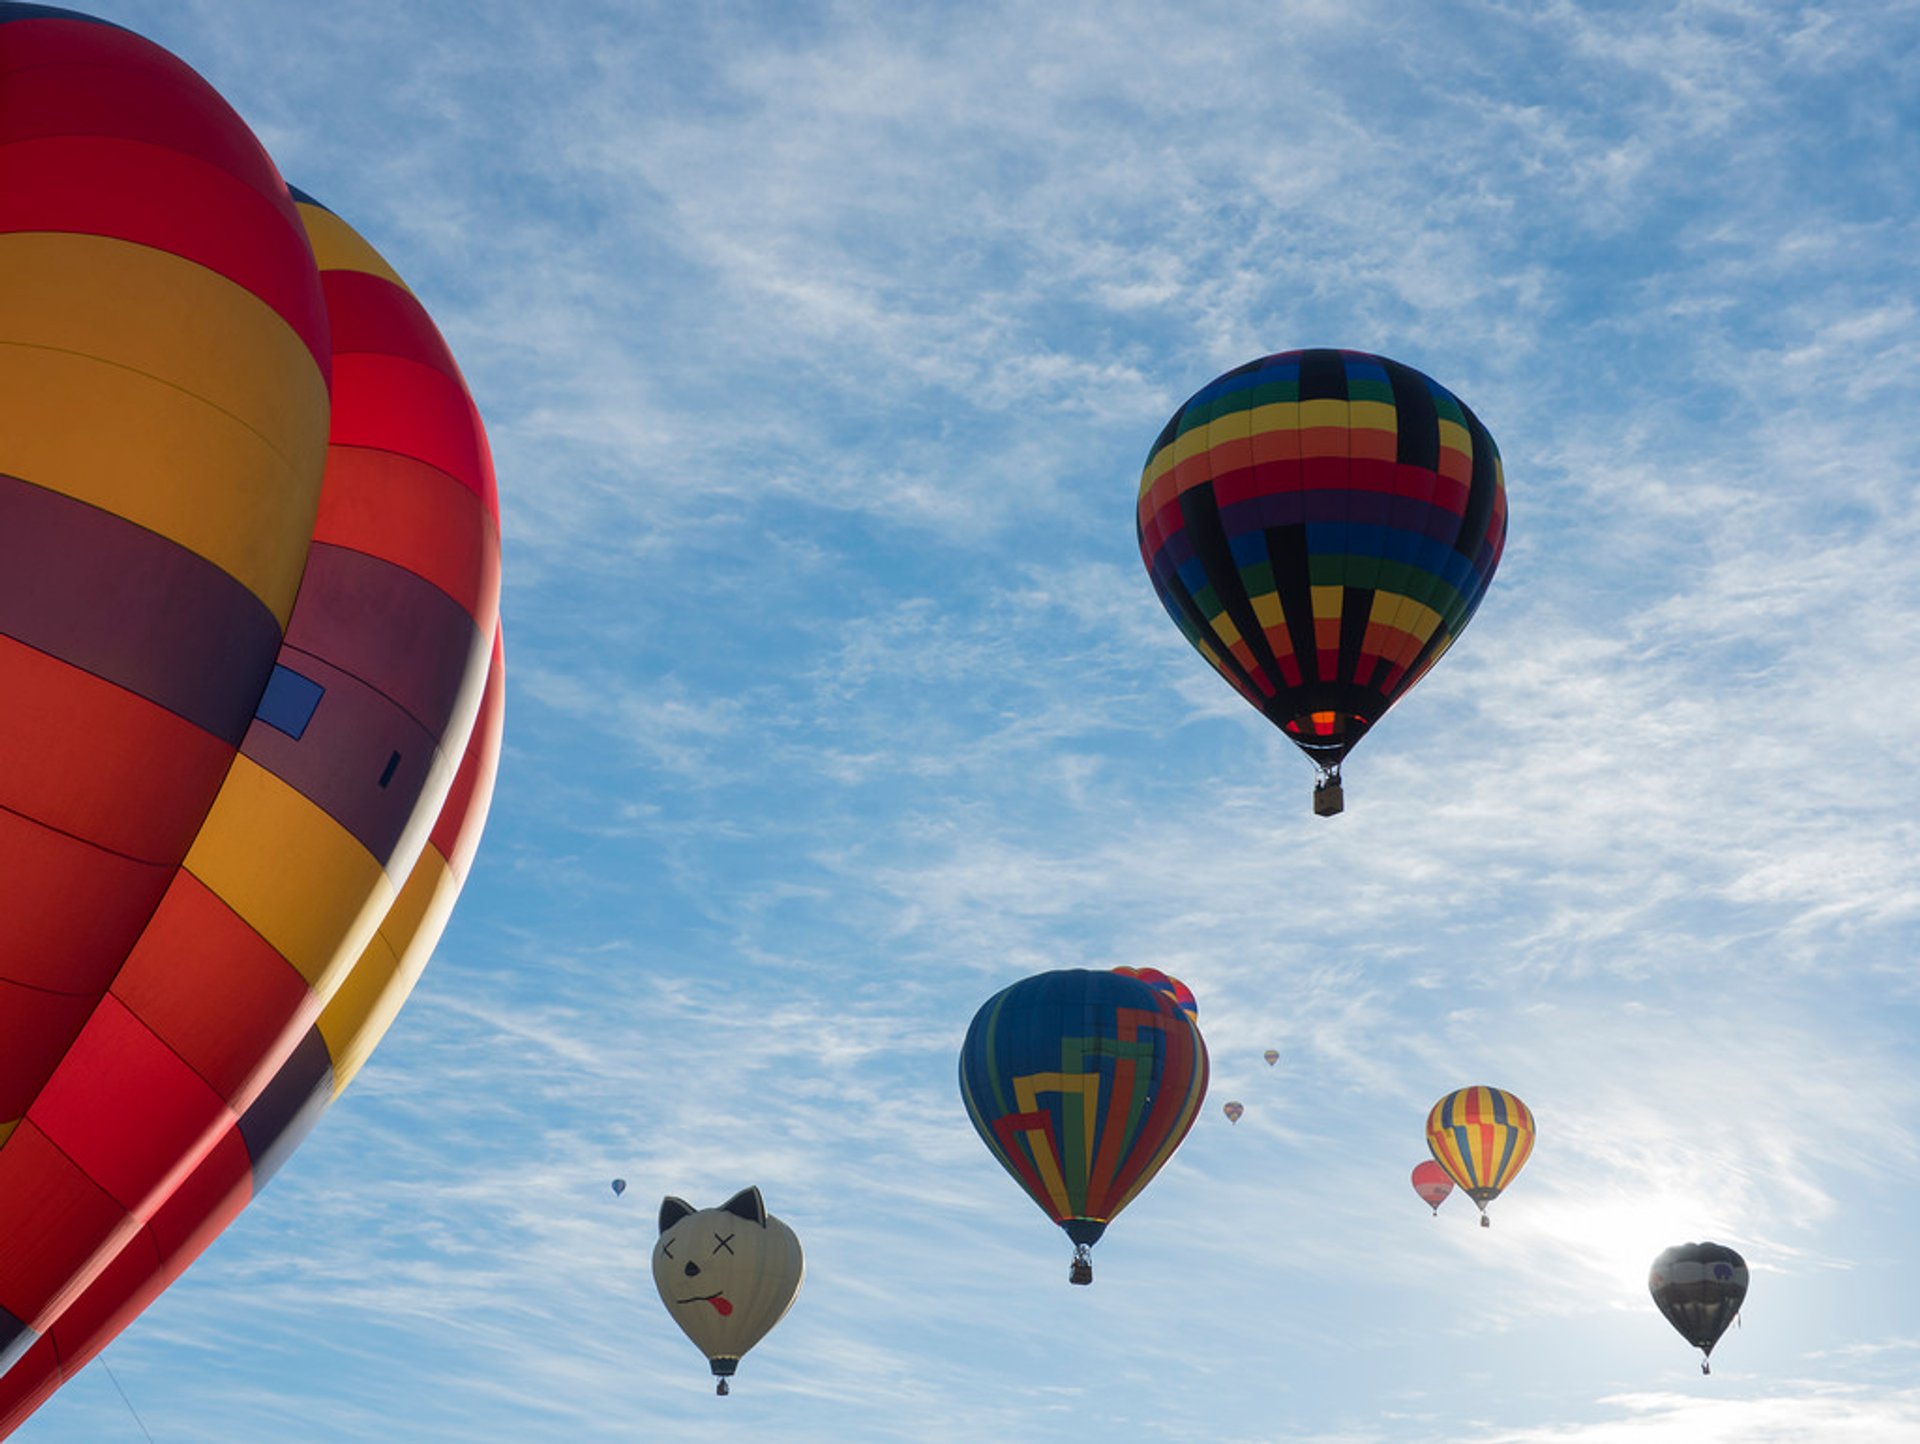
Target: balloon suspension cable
1328, 798
128, 1402
1082, 1270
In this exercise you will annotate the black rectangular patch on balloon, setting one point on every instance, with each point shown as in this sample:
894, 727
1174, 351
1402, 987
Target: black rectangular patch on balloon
393, 765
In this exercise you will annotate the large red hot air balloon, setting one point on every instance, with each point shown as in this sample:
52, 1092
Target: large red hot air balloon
249, 580
1321, 525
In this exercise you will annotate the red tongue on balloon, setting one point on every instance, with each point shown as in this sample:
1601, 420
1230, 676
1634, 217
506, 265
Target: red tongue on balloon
721, 1306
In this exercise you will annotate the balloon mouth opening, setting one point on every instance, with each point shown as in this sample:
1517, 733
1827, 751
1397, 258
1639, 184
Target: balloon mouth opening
1085, 1232
1326, 737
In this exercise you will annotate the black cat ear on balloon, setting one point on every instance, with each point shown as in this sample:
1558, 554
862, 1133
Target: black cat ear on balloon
747, 1204
672, 1210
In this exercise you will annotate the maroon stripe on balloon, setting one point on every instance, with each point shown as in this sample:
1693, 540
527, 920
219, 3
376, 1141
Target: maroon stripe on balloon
395, 631
361, 758
127, 604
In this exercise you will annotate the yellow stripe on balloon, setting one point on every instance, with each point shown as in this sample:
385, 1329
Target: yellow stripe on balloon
370, 997
338, 247
1027, 1089
292, 873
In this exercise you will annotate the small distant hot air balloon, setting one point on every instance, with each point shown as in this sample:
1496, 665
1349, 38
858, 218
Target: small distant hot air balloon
619, 1187
1082, 1084
1272, 1055
1699, 1287
1482, 1138
1321, 525
1430, 1181
1233, 1112
727, 1275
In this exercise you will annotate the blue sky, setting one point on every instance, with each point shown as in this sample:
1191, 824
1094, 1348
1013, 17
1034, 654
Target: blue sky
821, 346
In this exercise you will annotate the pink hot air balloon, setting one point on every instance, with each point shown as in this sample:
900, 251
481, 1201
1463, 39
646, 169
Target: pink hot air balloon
1430, 1181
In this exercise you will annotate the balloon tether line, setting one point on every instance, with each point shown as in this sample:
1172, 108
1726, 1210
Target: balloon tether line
128, 1402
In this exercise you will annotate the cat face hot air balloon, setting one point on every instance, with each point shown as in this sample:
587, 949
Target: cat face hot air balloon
1699, 1287
1430, 1181
249, 578
727, 1275
1082, 1084
1482, 1137
1321, 525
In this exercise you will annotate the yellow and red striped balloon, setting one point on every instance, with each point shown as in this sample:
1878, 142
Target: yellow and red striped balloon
1482, 1137
250, 650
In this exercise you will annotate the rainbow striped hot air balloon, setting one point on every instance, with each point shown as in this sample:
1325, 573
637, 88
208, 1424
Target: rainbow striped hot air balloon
251, 663
1482, 1137
1321, 525
1082, 1084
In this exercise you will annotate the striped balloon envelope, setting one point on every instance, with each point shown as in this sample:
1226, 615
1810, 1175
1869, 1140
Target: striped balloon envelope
1482, 1137
1082, 1084
1321, 525
250, 649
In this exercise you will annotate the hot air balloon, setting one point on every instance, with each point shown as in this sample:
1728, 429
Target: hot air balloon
249, 579
1082, 1084
619, 1187
1430, 1181
1233, 1112
727, 1275
1699, 1287
1272, 1055
1321, 525
1481, 1137
1181, 994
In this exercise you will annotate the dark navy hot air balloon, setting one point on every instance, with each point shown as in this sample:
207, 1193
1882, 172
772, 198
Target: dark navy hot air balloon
1082, 1084
1699, 1287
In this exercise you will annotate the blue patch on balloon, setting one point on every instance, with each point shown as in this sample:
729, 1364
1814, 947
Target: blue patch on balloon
289, 701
